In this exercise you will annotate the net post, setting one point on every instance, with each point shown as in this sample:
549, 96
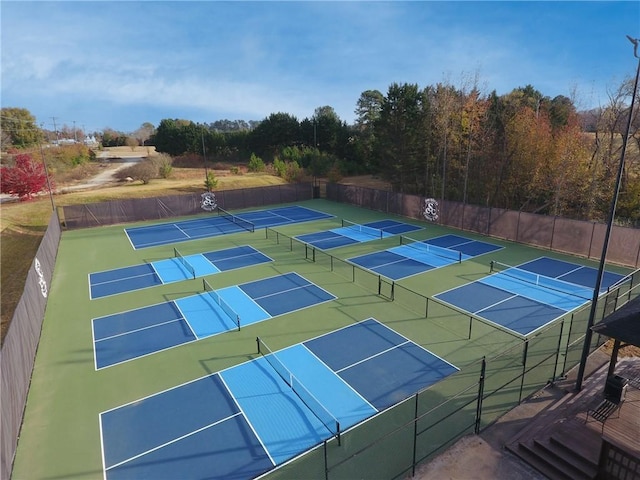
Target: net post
379, 284
258, 343
470, 325
313, 253
338, 432
393, 290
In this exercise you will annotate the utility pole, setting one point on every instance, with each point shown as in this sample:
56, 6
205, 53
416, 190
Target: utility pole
55, 129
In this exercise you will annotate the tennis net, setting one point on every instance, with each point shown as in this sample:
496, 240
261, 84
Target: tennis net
374, 232
312, 403
551, 283
444, 252
241, 222
231, 313
184, 262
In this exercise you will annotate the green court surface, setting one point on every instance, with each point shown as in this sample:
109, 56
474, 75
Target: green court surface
61, 438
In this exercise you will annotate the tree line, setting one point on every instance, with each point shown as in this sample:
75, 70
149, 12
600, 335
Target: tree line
522, 151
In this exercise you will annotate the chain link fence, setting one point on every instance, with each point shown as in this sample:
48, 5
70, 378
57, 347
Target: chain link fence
18, 352
576, 237
157, 208
395, 441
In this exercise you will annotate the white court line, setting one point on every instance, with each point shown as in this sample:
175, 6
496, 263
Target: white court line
175, 440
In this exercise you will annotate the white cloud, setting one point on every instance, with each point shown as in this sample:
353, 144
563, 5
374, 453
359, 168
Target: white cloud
253, 59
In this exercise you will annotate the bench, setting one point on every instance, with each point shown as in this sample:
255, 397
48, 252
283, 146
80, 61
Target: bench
603, 411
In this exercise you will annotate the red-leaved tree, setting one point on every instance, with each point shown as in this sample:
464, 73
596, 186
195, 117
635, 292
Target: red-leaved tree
24, 179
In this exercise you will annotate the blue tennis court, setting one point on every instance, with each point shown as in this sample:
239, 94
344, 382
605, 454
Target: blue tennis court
244, 421
173, 232
125, 336
351, 233
525, 298
176, 269
413, 257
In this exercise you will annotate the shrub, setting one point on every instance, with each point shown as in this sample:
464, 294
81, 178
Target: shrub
293, 172
143, 171
164, 163
256, 164
290, 171
334, 175
66, 157
279, 167
24, 179
211, 182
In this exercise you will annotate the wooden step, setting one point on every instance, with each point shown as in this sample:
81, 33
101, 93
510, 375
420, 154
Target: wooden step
540, 463
583, 442
571, 463
584, 453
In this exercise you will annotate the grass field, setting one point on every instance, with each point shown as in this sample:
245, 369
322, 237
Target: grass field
60, 437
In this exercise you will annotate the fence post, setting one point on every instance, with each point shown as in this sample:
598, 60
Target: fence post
553, 232
566, 350
326, 461
480, 395
555, 367
524, 368
415, 437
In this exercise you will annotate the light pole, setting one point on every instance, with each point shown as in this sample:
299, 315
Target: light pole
612, 212
204, 160
315, 142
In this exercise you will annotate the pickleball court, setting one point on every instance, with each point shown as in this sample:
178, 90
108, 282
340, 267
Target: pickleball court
243, 421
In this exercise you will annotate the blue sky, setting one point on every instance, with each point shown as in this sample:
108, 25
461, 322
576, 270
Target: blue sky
120, 64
